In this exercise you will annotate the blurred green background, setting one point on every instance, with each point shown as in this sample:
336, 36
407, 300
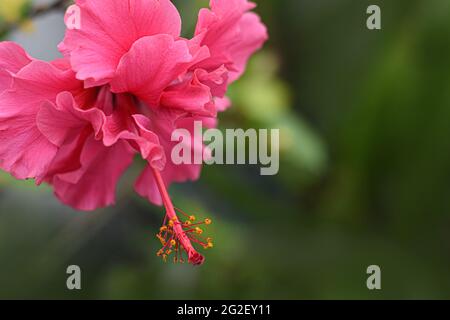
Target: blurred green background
364, 176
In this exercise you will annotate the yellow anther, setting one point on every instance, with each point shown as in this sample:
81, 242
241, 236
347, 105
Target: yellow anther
168, 252
192, 218
170, 223
159, 253
210, 245
188, 223
163, 228
198, 230
208, 221
161, 239
209, 239
173, 242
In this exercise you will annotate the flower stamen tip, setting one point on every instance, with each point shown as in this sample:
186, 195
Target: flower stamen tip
177, 239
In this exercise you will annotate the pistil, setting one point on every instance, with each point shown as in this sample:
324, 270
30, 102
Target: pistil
177, 236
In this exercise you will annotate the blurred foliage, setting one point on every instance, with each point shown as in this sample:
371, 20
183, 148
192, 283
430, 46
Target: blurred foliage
12, 10
364, 177
265, 101
14, 13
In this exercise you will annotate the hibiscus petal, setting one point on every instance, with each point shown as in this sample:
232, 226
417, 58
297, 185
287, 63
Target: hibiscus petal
12, 59
58, 121
124, 124
253, 36
146, 185
216, 80
231, 33
222, 104
67, 159
163, 125
149, 143
190, 95
109, 29
150, 66
96, 180
35, 83
24, 151
147, 188
120, 124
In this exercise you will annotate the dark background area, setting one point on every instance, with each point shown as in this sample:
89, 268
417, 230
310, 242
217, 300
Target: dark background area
364, 175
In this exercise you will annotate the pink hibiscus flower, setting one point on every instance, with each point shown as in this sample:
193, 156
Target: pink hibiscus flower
126, 82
